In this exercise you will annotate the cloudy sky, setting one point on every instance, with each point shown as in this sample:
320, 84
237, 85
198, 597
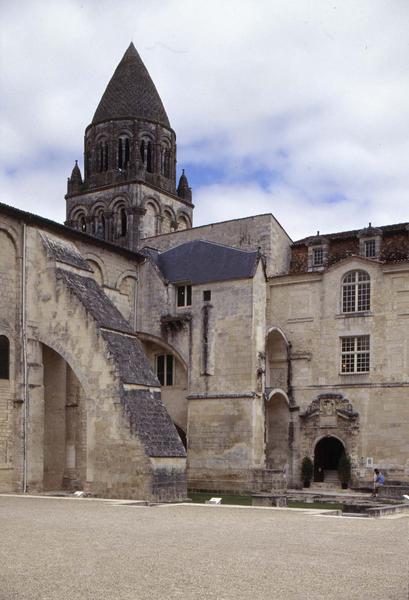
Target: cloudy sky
295, 107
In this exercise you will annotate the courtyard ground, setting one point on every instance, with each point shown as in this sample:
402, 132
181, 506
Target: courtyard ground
60, 549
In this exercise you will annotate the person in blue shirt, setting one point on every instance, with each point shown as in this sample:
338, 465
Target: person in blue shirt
378, 481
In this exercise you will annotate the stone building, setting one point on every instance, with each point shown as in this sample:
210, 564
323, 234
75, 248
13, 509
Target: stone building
138, 353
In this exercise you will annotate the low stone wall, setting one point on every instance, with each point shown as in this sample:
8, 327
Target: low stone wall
241, 482
394, 491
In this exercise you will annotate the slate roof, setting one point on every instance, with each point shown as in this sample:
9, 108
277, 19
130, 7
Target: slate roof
200, 261
149, 418
126, 350
64, 252
344, 235
131, 93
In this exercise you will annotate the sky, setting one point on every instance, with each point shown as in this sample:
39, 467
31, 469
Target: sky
295, 107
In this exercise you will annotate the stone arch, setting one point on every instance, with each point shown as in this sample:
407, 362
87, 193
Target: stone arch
168, 220
150, 219
11, 233
184, 221
64, 425
328, 450
98, 266
277, 363
277, 423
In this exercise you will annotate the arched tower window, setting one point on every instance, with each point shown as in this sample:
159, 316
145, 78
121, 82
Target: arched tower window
100, 225
4, 357
149, 158
102, 156
356, 292
123, 153
82, 223
123, 222
166, 163
142, 151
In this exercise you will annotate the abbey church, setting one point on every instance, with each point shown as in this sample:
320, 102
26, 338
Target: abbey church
141, 356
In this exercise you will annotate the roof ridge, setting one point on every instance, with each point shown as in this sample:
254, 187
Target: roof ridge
210, 242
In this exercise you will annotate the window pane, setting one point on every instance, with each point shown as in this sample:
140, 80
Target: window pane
318, 256
4, 357
364, 296
169, 369
181, 295
370, 248
160, 368
188, 295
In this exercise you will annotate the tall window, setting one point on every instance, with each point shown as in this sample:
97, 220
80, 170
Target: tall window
123, 153
4, 357
164, 369
184, 295
83, 223
122, 222
318, 256
355, 354
356, 292
370, 248
102, 157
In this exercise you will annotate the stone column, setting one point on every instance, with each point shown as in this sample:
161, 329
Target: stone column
35, 418
134, 214
71, 418
109, 228
294, 446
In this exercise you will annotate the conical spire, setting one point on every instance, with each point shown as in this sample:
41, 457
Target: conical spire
76, 174
184, 190
131, 93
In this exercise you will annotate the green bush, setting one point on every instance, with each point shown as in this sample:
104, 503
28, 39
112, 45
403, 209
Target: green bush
307, 469
344, 469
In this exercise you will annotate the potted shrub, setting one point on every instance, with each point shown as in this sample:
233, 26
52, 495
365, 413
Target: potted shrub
344, 470
307, 470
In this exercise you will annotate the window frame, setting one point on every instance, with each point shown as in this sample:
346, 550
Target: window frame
168, 378
186, 288
356, 295
4, 368
355, 355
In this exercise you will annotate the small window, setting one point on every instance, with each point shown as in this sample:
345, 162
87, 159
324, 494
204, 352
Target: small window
83, 224
4, 357
355, 354
370, 248
164, 369
318, 257
184, 295
123, 222
356, 292
207, 296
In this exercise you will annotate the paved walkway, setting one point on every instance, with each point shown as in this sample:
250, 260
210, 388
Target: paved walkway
60, 549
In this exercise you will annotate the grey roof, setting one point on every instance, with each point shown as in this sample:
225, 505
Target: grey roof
65, 252
149, 418
131, 93
200, 261
123, 346
343, 235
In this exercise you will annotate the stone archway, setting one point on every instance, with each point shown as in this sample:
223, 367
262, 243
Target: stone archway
63, 451
327, 453
277, 419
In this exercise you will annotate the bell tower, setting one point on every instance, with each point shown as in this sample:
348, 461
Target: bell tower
129, 191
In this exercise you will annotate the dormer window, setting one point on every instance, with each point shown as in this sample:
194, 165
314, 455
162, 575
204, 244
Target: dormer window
370, 248
317, 252
318, 257
370, 240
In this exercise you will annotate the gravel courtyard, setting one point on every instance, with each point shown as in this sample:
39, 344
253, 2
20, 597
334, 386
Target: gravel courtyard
58, 549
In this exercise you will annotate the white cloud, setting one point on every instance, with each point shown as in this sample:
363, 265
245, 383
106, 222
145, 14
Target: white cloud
313, 94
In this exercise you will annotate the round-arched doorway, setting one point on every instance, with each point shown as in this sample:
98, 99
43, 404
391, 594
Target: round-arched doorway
327, 454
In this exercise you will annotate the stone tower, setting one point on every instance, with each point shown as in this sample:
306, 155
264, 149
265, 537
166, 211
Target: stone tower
129, 188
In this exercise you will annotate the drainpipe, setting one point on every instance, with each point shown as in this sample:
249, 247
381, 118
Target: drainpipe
24, 346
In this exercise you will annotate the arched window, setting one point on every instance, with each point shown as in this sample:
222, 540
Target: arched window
100, 225
149, 158
142, 151
123, 153
4, 357
123, 222
356, 292
82, 223
166, 163
102, 156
